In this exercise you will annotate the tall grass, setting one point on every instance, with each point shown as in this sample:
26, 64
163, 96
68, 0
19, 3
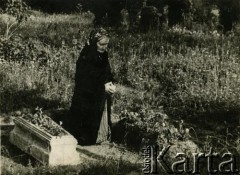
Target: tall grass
102, 167
190, 73
189, 76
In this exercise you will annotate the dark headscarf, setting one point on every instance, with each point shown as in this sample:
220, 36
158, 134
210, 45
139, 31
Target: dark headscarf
90, 49
96, 35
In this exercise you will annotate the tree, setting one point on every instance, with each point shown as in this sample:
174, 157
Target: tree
229, 13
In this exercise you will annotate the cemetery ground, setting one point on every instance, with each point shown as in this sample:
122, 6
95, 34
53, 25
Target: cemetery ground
175, 86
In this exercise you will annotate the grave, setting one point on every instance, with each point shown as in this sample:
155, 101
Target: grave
48, 149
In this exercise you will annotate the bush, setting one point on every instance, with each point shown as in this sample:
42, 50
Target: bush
16, 9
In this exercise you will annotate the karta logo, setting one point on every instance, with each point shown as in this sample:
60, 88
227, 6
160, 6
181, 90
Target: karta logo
225, 163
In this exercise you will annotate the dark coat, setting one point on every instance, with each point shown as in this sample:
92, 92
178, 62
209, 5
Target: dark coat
92, 72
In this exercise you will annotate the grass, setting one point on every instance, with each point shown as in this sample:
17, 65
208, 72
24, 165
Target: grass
88, 168
191, 73
194, 75
185, 80
14, 161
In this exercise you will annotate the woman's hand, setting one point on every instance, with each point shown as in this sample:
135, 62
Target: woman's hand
110, 88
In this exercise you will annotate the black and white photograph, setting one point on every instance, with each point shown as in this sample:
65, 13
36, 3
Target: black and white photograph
119, 87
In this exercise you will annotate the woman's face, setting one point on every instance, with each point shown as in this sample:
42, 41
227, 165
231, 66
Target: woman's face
102, 44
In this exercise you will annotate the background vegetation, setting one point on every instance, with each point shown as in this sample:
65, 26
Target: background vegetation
189, 72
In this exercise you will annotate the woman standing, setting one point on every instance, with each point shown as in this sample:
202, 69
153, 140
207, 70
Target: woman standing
90, 109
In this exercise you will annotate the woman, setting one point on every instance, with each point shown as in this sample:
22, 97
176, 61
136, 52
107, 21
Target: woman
90, 109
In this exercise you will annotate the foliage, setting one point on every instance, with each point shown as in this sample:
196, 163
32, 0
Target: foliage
188, 68
153, 127
229, 13
43, 122
205, 17
101, 167
16, 9
193, 74
31, 50
172, 74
